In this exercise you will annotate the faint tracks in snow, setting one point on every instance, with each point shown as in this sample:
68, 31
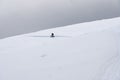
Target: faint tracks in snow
111, 68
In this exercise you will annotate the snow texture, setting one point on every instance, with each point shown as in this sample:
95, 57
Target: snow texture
86, 51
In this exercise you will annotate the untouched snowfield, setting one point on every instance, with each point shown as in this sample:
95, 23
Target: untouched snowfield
86, 51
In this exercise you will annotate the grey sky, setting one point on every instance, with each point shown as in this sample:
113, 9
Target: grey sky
23, 16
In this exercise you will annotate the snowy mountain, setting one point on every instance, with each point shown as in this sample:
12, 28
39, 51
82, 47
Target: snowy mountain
86, 51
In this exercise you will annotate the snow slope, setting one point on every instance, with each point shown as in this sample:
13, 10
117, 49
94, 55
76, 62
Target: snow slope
87, 51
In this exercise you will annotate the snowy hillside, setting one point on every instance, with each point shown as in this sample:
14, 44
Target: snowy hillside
25, 16
87, 51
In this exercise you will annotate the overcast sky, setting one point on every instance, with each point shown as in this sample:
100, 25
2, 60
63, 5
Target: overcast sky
23, 16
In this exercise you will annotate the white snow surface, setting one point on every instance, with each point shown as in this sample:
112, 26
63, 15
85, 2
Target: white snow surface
86, 51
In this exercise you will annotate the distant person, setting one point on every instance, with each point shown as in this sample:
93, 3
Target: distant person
52, 35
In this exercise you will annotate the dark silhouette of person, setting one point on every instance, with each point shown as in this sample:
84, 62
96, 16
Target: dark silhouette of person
52, 35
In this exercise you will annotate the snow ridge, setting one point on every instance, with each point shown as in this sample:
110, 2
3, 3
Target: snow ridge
87, 51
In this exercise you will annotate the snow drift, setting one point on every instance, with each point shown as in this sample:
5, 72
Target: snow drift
87, 51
